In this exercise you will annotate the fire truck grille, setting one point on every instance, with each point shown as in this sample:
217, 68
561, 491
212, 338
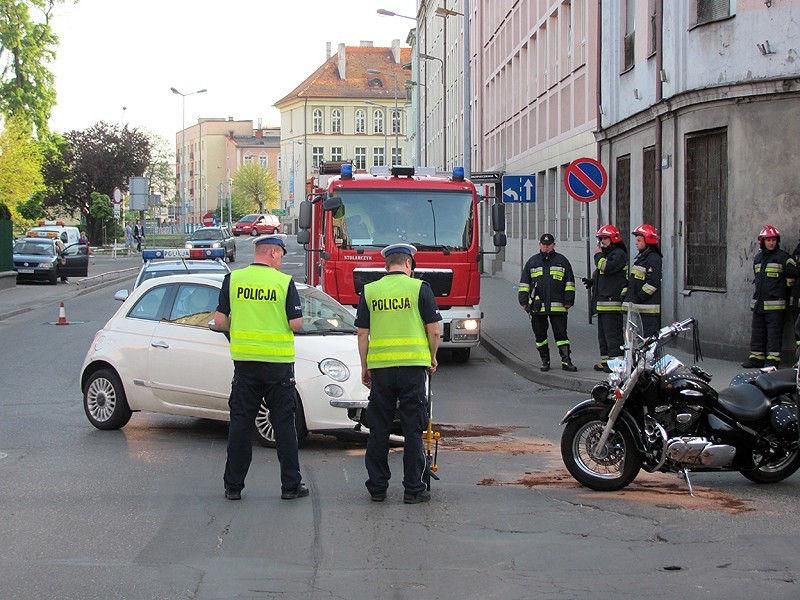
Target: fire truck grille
440, 280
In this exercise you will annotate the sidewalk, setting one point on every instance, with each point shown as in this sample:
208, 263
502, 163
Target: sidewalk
507, 334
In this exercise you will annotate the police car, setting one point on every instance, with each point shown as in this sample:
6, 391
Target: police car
173, 261
157, 354
38, 258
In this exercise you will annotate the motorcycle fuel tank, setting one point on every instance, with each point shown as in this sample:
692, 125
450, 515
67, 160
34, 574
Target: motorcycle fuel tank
686, 387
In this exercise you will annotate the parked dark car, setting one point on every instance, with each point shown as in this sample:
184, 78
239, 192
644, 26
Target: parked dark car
257, 224
214, 237
38, 259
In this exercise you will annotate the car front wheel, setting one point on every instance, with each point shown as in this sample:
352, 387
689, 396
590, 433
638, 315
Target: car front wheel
232, 257
254, 231
265, 432
104, 400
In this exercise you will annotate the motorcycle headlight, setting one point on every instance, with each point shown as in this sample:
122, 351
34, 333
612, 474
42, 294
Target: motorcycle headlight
335, 369
601, 392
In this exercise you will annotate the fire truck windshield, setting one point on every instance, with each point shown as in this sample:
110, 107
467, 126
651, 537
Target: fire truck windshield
427, 219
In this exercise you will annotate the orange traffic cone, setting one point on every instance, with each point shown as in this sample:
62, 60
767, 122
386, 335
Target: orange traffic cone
62, 316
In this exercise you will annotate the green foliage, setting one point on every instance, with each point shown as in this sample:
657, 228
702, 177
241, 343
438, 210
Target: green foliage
256, 188
32, 209
101, 208
27, 46
20, 165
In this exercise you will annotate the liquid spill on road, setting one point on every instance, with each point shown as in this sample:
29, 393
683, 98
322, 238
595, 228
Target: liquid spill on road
647, 489
500, 439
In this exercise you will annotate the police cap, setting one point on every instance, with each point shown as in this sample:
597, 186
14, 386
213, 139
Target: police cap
394, 248
276, 239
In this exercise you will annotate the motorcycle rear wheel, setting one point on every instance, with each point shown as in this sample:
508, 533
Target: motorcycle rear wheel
614, 470
772, 472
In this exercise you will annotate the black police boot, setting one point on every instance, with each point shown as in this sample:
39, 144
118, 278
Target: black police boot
753, 363
544, 352
566, 361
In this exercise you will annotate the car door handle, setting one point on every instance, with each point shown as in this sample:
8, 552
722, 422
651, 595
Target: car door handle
159, 344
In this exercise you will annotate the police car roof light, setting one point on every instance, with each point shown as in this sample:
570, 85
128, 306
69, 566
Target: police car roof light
347, 171
398, 170
180, 253
458, 173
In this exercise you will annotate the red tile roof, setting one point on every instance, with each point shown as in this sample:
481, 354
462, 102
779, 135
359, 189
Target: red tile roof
326, 83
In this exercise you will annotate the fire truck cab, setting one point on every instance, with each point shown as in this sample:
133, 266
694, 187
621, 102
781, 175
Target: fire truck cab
344, 226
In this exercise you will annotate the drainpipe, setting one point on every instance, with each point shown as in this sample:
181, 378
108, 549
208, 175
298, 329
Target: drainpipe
659, 98
598, 107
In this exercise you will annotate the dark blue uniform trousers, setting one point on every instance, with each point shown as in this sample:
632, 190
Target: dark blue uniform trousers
391, 385
252, 382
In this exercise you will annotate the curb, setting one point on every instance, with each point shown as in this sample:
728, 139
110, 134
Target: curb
552, 379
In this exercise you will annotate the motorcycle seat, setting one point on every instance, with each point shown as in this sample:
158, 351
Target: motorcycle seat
744, 402
777, 382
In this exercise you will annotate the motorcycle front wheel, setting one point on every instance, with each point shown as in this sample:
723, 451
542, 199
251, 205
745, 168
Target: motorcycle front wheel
612, 467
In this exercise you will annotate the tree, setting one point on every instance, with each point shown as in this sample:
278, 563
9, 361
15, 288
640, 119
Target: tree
20, 165
27, 45
255, 185
98, 159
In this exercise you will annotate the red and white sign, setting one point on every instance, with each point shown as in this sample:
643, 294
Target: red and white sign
117, 195
208, 220
585, 179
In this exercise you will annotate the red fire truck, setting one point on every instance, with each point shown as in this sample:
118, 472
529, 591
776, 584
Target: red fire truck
344, 226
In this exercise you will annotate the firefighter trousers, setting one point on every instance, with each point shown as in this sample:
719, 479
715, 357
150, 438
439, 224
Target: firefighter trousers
765, 336
539, 326
609, 334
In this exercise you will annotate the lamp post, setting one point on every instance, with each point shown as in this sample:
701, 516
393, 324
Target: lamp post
396, 115
183, 150
385, 132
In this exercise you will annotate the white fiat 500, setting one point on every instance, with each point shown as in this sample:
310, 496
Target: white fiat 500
157, 354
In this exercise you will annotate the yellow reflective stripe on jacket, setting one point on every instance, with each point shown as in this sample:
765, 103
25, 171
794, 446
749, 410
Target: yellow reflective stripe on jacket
774, 304
647, 309
609, 306
601, 264
649, 289
524, 287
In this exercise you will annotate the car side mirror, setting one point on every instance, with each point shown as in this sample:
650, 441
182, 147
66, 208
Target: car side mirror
121, 295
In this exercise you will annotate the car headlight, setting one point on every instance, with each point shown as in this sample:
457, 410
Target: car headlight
333, 390
216, 245
47, 265
335, 369
188, 245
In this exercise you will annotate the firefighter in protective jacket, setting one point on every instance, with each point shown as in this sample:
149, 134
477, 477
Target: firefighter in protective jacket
644, 283
547, 290
611, 260
773, 269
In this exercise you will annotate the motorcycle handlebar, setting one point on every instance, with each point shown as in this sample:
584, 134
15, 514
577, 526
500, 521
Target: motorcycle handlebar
669, 331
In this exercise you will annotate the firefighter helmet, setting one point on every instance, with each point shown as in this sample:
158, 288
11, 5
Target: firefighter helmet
648, 232
611, 232
769, 231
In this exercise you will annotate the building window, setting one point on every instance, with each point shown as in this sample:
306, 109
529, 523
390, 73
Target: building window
361, 121
361, 158
317, 156
317, 120
623, 196
248, 158
377, 121
263, 161
336, 121
629, 39
712, 10
706, 210
652, 31
649, 185
336, 153
378, 157
396, 121
397, 156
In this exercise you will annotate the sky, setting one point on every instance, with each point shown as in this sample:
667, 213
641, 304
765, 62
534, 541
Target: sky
117, 59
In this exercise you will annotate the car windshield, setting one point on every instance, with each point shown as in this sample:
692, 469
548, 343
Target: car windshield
35, 248
248, 218
322, 315
152, 274
206, 234
427, 219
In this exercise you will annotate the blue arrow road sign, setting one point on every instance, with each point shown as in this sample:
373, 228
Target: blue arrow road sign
519, 188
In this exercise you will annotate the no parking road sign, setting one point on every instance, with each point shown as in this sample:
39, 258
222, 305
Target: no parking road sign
585, 179
519, 188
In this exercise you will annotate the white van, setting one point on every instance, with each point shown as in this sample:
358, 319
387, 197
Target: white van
67, 234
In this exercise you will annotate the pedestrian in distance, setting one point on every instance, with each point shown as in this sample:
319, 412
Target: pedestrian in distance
138, 235
83, 240
773, 268
129, 237
260, 307
644, 281
610, 283
547, 291
398, 335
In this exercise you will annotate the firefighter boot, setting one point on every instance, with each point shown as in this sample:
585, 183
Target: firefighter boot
544, 352
566, 361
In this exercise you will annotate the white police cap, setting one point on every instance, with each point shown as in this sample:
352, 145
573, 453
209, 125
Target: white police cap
276, 239
394, 248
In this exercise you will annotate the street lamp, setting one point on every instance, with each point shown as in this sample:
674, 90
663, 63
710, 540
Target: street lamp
395, 126
385, 132
183, 150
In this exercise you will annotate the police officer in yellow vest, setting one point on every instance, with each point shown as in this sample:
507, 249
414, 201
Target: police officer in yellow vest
398, 335
261, 308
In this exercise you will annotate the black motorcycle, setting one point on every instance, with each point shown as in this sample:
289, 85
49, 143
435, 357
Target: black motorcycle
656, 414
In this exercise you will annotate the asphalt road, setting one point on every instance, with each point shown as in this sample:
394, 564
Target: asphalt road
139, 513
